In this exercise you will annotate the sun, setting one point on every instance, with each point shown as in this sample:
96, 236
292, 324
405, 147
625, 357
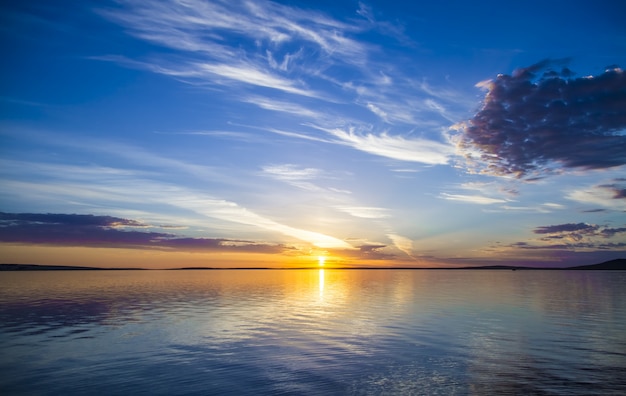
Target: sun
321, 260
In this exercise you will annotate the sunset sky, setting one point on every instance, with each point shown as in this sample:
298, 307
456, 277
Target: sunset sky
230, 133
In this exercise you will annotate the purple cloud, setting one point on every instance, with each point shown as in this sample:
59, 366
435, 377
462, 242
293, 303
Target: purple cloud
570, 227
538, 116
577, 232
619, 192
103, 231
67, 219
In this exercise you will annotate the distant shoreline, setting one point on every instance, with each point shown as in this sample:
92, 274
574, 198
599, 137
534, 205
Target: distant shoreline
612, 265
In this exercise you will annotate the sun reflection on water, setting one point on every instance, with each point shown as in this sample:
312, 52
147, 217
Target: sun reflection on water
321, 282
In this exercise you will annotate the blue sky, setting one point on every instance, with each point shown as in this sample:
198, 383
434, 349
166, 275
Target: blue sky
271, 133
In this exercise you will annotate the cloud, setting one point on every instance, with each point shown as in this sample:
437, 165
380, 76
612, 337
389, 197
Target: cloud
252, 75
73, 220
244, 48
475, 199
104, 231
538, 118
284, 107
577, 232
263, 30
365, 212
610, 195
619, 191
369, 252
403, 244
291, 174
378, 111
393, 146
570, 227
86, 184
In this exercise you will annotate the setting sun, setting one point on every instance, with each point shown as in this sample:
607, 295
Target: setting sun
321, 260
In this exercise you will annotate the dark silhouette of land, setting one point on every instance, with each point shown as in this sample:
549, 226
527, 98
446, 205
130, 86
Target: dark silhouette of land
612, 265
617, 264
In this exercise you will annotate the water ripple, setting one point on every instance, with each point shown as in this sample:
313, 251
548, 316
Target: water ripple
280, 332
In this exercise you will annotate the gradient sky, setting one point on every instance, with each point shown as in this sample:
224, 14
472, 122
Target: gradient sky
246, 133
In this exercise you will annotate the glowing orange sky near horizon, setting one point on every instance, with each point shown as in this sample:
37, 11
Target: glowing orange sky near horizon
156, 259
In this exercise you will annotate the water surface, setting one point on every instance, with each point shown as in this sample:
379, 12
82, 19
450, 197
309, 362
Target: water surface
361, 332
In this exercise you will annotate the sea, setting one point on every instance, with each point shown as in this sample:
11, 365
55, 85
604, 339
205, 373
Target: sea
313, 332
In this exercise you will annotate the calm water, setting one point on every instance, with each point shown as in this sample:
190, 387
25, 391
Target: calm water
361, 332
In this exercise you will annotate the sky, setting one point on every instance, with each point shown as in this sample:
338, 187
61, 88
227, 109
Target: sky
230, 133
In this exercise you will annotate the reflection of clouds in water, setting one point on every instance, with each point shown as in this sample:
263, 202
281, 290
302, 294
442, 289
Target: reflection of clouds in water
340, 331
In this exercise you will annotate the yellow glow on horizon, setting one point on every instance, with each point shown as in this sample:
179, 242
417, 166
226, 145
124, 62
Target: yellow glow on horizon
321, 260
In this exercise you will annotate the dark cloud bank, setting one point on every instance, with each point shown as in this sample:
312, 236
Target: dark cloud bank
108, 231
539, 117
577, 231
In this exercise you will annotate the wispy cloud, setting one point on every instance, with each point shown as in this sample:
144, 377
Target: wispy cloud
608, 195
294, 175
127, 187
537, 119
252, 75
365, 212
205, 30
393, 146
474, 199
403, 244
284, 107
248, 47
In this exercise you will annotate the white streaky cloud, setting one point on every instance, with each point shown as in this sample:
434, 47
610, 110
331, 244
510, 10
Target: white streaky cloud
226, 210
527, 209
339, 190
552, 205
250, 74
124, 191
231, 135
475, 199
378, 111
286, 62
291, 174
189, 25
395, 147
365, 11
365, 212
284, 107
298, 135
403, 244
597, 196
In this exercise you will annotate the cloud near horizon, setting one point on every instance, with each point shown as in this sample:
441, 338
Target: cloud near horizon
101, 231
537, 118
577, 231
104, 231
